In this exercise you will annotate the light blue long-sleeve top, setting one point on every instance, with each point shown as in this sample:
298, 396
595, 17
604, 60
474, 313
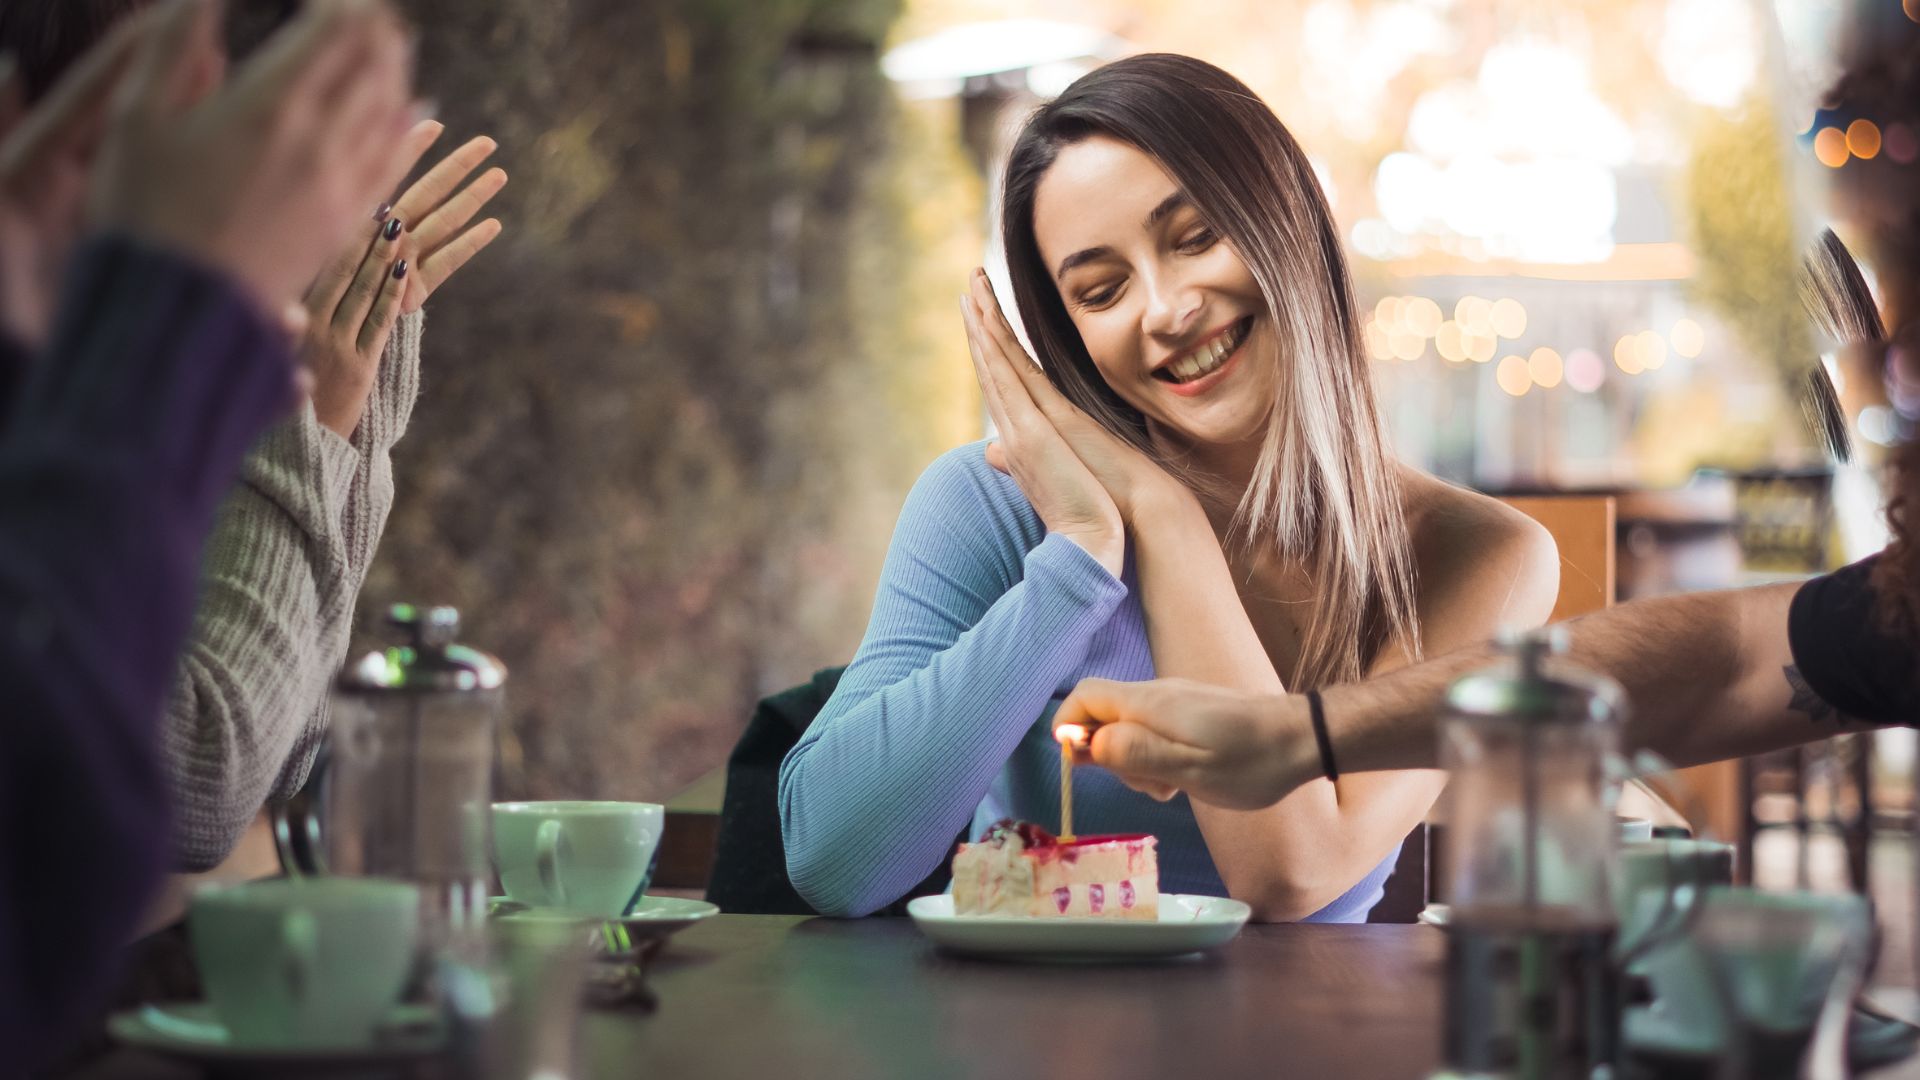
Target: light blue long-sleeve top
982, 624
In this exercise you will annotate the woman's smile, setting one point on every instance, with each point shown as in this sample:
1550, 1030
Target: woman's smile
1199, 369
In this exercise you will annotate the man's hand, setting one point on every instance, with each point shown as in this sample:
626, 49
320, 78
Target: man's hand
1230, 749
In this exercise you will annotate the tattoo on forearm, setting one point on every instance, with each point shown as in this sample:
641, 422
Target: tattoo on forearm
1806, 701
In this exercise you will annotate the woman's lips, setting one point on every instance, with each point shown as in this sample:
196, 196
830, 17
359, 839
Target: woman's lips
1212, 378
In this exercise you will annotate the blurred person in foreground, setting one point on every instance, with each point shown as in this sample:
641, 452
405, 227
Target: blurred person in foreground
293, 540
184, 212
1710, 675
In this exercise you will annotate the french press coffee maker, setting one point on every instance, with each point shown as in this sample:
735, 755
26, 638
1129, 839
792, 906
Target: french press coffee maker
410, 784
1531, 982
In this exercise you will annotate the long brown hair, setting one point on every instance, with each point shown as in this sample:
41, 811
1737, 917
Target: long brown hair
1324, 491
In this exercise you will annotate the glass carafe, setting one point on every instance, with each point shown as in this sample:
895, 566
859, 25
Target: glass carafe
1530, 749
410, 785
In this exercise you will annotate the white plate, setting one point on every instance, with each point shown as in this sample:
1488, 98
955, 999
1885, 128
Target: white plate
1186, 924
190, 1030
1435, 914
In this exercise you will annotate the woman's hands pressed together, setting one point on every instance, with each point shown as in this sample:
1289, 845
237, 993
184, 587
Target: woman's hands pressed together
1084, 482
398, 258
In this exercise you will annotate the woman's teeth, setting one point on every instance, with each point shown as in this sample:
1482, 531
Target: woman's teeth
1207, 359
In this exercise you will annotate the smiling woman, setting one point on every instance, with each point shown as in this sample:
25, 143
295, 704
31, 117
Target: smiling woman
1195, 484
1127, 325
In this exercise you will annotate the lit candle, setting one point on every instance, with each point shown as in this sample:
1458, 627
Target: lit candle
1069, 735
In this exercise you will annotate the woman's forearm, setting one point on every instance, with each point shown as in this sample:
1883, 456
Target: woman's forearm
1293, 858
363, 520
873, 794
273, 584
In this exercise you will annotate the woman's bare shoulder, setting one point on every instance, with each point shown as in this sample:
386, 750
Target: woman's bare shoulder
1444, 517
1473, 549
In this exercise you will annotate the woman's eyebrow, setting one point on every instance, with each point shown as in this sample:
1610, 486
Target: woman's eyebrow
1080, 258
1167, 206
1154, 217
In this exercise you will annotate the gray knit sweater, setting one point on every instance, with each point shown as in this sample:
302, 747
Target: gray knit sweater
283, 570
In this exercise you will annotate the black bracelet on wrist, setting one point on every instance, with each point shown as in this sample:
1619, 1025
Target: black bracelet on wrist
1318, 714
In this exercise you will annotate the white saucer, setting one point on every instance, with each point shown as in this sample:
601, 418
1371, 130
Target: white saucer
189, 1030
652, 917
1435, 914
1187, 924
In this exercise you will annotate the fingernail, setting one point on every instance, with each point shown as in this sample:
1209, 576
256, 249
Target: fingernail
381, 214
399, 269
392, 231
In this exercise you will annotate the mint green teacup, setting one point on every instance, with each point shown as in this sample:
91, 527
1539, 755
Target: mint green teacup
587, 858
305, 963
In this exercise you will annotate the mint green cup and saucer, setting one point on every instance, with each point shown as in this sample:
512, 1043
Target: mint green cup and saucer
590, 859
298, 973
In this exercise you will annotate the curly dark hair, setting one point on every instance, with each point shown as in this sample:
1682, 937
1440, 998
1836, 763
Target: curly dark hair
1897, 577
1881, 82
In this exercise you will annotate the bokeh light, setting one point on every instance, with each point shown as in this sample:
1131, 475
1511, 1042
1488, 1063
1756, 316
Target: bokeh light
1450, 343
1688, 338
1420, 315
1508, 317
1585, 370
1901, 145
1406, 345
1863, 139
1512, 375
1474, 314
1653, 350
1545, 367
1387, 313
1480, 347
1830, 146
1626, 355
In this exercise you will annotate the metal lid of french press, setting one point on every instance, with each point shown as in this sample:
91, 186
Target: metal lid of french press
428, 663
1528, 684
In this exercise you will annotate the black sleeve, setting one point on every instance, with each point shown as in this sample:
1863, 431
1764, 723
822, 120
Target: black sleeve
1847, 653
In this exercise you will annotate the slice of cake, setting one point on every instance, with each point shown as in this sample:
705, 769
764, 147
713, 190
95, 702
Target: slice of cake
1021, 869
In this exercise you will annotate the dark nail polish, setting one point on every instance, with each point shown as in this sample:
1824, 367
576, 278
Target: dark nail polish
399, 269
381, 214
392, 231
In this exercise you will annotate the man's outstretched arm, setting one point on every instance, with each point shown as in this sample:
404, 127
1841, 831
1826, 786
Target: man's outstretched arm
1709, 675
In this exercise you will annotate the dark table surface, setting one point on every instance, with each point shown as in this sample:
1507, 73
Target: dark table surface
789, 998
768, 996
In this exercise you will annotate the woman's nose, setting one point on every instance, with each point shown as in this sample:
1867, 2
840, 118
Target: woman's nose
1171, 307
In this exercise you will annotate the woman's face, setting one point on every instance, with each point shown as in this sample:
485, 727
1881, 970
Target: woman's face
1166, 308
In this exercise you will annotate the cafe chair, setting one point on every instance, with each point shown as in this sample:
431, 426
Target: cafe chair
749, 874
1582, 527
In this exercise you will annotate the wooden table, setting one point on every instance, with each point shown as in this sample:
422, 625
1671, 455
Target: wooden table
790, 998
772, 996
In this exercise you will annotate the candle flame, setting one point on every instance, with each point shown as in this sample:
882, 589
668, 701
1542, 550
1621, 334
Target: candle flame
1072, 734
